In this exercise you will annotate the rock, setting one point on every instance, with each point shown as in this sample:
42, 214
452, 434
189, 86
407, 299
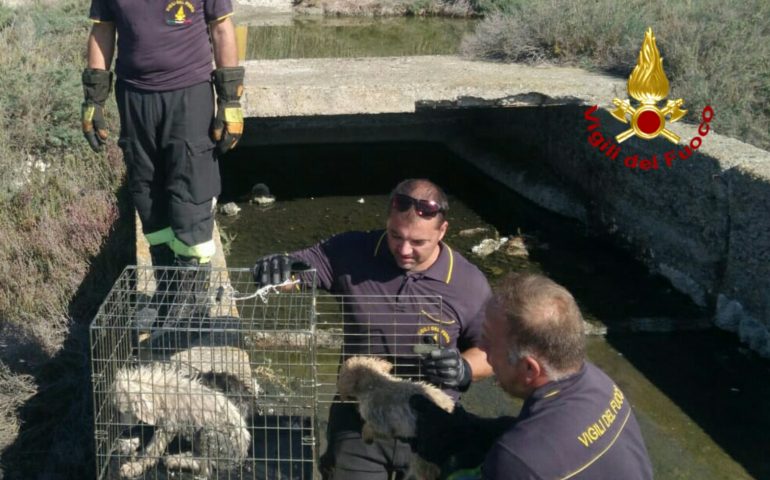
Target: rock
515, 246
488, 246
229, 209
267, 200
472, 232
728, 314
595, 329
663, 324
260, 194
260, 190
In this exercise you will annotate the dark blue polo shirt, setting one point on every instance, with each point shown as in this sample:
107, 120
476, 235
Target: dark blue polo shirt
390, 309
162, 44
581, 427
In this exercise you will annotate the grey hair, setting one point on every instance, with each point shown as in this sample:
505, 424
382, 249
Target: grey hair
544, 322
515, 355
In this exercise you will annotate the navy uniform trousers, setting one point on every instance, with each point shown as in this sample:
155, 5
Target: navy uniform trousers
173, 175
348, 457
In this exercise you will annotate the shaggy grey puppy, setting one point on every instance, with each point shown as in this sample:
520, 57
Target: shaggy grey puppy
225, 369
383, 402
176, 403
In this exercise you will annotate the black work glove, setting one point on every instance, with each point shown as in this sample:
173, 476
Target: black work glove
97, 85
228, 123
454, 440
276, 269
445, 367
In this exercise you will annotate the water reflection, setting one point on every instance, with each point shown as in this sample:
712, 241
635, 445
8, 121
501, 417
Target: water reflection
317, 37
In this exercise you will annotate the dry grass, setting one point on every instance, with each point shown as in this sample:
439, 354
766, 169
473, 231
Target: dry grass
60, 239
715, 52
14, 391
58, 198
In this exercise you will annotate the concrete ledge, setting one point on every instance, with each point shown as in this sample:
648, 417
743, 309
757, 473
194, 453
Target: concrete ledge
702, 223
338, 86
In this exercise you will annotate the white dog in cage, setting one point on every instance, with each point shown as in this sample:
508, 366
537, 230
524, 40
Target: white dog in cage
383, 402
177, 403
226, 369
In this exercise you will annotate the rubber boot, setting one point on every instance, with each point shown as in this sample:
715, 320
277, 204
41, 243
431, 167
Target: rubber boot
152, 315
162, 256
188, 285
192, 286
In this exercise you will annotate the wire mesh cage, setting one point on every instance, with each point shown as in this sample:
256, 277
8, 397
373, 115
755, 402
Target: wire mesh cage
198, 374
398, 329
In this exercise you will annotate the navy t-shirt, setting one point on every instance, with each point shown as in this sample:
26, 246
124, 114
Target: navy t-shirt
581, 427
162, 44
389, 309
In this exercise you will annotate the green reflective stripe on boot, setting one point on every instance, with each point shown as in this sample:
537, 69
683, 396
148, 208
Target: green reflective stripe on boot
157, 237
203, 251
467, 474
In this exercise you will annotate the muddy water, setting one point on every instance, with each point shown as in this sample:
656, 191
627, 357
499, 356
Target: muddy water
701, 398
315, 37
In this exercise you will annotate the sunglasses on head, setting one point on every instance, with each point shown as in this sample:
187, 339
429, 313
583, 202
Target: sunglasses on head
424, 208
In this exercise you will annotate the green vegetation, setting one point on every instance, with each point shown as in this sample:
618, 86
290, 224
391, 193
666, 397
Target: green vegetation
714, 52
58, 221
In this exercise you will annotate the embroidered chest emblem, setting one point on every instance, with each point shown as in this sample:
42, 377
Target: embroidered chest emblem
434, 335
179, 12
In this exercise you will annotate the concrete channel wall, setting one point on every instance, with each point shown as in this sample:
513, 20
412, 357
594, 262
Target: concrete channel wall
701, 222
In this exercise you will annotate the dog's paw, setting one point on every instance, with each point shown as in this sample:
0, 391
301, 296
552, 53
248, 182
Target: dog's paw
367, 434
131, 469
128, 446
182, 461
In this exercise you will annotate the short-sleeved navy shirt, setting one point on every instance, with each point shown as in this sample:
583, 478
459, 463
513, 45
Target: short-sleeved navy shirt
360, 264
581, 427
162, 44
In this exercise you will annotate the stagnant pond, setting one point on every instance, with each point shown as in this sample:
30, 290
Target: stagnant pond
700, 397
316, 37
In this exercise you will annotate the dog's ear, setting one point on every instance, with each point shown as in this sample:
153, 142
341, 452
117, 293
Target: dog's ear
384, 365
346, 382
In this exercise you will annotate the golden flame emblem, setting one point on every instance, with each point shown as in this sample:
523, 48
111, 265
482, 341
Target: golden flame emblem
648, 85
180, 16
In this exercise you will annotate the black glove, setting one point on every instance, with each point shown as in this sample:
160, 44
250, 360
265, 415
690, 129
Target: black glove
228, 123
454, 440
276, 269
445, 367
97, 85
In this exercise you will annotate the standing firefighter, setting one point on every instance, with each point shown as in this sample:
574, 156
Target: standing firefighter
168, 132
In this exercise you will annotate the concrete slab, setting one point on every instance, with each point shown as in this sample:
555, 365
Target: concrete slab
338, 86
